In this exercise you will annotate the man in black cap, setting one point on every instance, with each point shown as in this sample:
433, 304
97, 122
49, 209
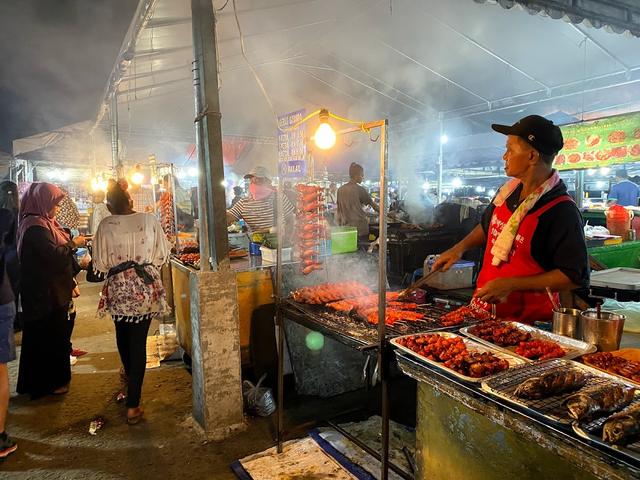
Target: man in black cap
532, 232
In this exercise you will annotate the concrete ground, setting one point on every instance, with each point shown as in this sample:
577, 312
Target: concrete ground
52, 432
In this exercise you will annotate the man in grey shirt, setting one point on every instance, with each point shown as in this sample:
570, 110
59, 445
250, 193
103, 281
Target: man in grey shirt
351, 198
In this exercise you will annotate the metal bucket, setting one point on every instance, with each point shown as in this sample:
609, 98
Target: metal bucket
604, 332
565, 322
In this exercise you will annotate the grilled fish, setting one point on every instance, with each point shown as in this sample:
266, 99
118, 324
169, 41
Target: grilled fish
551, 383
623, 427
598, 400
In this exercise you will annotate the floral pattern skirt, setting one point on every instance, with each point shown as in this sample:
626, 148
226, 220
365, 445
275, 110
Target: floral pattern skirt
126, 296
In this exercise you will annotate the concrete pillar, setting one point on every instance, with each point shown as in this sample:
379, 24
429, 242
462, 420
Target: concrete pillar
217, 381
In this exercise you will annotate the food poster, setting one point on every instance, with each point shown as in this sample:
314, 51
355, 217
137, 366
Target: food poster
599, 143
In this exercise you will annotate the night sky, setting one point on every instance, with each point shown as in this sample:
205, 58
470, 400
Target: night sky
55, 57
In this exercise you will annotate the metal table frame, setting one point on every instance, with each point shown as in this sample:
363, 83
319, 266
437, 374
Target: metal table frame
289, 312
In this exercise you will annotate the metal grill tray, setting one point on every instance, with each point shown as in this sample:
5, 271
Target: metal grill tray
471, 345
593, 432
573, 347
613, 374
504, 384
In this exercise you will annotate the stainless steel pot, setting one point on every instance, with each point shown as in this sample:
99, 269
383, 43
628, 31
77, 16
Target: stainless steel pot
565, 322
604, 332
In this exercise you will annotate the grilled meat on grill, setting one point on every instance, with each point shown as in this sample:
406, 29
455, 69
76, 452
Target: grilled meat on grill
623, 427
551, 383
598, 400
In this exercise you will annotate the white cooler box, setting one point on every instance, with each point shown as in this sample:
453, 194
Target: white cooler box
460, 275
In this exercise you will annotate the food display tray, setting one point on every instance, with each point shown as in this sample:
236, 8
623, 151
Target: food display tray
620, 278
573, 347
593, 432
622, 377
504, 384
470, 344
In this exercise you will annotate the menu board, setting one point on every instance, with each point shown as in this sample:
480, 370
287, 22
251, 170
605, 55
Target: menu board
292, 147
599, 143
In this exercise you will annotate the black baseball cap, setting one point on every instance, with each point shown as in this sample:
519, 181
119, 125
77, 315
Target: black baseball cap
537, 131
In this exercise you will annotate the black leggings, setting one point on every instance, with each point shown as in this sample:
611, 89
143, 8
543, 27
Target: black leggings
132, 347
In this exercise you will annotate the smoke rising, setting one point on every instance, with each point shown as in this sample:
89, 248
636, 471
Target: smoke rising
56, 59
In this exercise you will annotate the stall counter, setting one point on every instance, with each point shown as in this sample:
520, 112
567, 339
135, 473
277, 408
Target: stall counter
255, 288
463, 432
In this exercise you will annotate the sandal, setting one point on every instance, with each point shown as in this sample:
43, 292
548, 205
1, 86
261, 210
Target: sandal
134, 419
61, 390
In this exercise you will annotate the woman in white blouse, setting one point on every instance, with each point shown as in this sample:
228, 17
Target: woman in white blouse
129, 248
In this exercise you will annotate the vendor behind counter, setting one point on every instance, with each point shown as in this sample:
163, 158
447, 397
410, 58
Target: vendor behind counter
351, 199
532, 233
258, 209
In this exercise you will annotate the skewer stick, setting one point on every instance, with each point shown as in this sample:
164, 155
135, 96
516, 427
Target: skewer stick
553, 300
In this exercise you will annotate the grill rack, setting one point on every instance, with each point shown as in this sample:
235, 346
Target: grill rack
359, 331
593, 431
504, 385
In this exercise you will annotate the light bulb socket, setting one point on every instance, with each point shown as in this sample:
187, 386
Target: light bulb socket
324, 115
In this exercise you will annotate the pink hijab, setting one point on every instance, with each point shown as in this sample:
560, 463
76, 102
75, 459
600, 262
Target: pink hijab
35, 207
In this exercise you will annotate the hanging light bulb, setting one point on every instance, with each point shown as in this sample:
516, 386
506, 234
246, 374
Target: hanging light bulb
325, 136
137, 177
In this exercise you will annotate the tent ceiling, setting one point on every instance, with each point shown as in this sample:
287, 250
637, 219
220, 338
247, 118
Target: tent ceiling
476, 63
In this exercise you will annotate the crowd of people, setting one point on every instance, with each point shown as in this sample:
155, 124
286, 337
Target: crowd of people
39, 262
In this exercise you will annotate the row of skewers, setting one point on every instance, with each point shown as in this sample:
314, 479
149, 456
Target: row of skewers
310, 226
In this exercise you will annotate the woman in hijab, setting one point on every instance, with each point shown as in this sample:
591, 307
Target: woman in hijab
46, 252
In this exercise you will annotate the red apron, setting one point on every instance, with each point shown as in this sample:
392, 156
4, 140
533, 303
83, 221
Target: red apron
526, 306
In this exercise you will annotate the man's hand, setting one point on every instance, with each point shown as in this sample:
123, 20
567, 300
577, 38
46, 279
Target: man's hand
495, 291
75, 293
447, 259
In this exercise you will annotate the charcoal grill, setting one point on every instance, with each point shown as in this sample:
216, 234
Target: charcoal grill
355, 332
504, 385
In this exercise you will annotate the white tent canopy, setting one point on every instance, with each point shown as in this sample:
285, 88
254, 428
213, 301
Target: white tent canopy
410, 61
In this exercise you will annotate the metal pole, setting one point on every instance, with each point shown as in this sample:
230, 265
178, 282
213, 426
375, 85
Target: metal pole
279, 319
382, 299
210, 146
440, 157
579, 188
113, 116
175, 203
203, 230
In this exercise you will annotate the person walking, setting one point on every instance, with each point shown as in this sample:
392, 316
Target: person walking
8, 294
9, 206
129, 248
46, 253
100, 210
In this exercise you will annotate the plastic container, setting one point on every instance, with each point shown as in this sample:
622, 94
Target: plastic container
460, 275
619, 220
238, 240
254, 249
604, 332
344, 240
270, 255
